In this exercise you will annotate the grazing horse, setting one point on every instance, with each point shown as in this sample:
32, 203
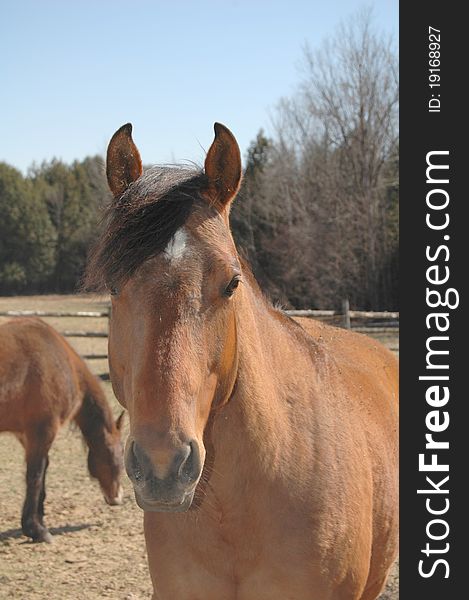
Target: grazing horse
263, 451
44, 384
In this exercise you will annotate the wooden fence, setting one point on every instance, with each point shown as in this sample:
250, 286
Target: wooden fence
362, 321
81, 333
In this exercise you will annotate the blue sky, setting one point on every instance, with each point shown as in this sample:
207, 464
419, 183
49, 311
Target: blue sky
74, 71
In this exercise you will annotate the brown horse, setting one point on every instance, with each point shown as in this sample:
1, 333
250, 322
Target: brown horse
44, 384
263, 451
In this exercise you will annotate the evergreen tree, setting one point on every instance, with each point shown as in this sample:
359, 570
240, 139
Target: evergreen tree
73, 195
27, 237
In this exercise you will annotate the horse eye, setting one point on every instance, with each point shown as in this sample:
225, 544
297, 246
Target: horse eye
113, 290
230, 288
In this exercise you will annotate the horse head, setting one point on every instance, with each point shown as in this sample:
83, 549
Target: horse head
169, 260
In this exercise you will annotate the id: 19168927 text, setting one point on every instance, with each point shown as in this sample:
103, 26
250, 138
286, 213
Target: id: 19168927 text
434, 103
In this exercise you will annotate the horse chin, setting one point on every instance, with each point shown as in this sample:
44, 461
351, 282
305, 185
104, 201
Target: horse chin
158, 506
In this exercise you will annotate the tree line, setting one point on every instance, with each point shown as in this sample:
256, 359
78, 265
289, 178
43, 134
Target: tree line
49, 218
317, 214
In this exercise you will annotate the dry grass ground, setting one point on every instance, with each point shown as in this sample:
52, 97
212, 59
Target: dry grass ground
98, 551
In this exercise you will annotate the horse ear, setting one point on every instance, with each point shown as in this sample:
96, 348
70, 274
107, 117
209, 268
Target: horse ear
223, 166
123, 162
120, 420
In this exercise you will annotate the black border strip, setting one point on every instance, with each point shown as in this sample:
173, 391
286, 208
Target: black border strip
421, 132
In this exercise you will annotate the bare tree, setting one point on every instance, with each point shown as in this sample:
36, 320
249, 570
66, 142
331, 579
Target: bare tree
335, 141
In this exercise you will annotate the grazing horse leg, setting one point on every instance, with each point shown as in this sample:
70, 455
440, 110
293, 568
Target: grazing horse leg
32, 519
42, 494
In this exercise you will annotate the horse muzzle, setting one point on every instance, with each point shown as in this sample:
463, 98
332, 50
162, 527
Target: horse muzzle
172, 492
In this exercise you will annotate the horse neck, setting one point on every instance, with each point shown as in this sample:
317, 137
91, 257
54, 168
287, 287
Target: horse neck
275, 372
94, 416
273, 350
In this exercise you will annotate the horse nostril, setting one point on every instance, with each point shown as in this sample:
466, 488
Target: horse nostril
189, 469
138, 459
184, 468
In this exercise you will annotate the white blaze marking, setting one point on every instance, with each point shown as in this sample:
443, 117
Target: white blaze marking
177, 245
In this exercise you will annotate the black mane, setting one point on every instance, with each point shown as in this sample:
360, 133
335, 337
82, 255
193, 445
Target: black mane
140, 223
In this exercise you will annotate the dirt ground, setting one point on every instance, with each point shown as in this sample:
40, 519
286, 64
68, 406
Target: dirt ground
98, 551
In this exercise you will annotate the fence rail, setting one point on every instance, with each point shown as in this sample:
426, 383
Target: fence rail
54, 313
354, 314
366, 322
89, 334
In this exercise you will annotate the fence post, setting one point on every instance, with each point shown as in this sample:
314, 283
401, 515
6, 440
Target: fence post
346, 313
